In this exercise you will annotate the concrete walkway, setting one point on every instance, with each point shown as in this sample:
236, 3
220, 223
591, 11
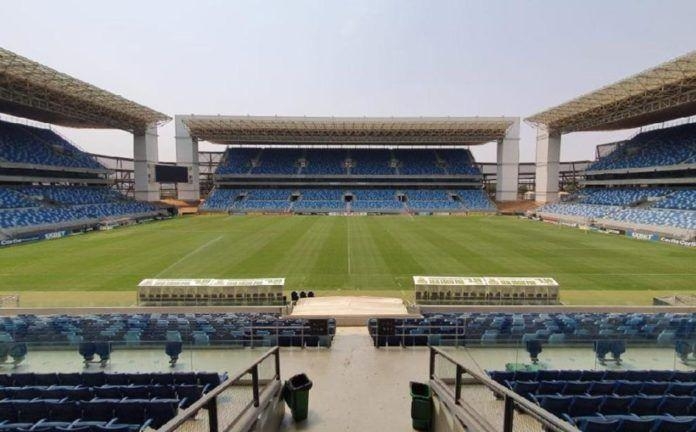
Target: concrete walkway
356, 386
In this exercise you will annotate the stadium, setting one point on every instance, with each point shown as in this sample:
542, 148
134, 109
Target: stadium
347, 272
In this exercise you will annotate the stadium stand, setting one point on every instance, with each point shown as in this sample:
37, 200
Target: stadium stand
36, 206
476, 200
371, 162
661, 147
229, 329
278, 161
362, 162
418, 162
615, 195
99, 401
459, 162
325, 162
646, 400
309, 183
30, 145
553, 328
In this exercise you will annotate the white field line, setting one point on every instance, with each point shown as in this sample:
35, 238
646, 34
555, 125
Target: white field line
348, 242
189, 255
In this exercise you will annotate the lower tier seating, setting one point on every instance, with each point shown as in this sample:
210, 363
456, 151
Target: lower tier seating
381, 200
244, 329
98, 401
596, 400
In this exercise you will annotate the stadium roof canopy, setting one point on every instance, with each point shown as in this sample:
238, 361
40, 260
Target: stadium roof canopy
347, 130
34, 91
663, 93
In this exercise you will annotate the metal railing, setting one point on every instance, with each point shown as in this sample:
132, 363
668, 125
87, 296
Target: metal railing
209, 401
469, 416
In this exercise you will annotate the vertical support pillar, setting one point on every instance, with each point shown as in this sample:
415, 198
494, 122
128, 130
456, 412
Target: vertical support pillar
548, 155
145, 156
508, 164
187, 155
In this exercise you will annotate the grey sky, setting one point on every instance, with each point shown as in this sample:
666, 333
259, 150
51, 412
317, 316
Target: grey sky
348, 58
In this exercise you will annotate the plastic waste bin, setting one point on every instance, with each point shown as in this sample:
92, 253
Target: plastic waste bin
421, 406
296, 395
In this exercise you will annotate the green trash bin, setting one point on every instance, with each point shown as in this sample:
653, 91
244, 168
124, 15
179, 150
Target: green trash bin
421, 406
296, 395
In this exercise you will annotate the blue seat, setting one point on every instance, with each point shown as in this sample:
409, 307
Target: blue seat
613, 405
161, 411
94, 379
67, 411
140, 379
587, 375
601, 387
598, 424
654, 388
678, 424
132, 412
626, 388
135, 391
645, 405
69, 379
681, 388
576, 387
549, 375
675, 405
23, 379
557, 405
633, 423
585, 405
551, 387
108, 392
98, 410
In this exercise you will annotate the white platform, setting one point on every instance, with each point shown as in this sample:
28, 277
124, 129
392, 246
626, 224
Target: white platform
349, 306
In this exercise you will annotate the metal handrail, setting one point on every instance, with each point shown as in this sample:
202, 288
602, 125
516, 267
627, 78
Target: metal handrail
511, 399
209, 400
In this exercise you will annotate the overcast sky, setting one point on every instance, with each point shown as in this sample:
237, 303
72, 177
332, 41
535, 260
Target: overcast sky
348, 58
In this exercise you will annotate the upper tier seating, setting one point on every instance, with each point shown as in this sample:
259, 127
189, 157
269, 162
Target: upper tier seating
363, 162
44, 205
237, 160
278, 161
71, 194
476, 199
459, 162
325, 162
31, 145
492, 328
243, 329
418, 162
595, 400
371, 162
660, 147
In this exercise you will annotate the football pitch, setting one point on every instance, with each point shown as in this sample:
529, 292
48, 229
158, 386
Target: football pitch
343, 255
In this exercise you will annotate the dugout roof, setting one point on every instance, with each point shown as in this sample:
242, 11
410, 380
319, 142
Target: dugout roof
347, 130
34, 91
662, 93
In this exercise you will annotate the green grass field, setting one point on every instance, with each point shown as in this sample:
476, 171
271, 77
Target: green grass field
373, 255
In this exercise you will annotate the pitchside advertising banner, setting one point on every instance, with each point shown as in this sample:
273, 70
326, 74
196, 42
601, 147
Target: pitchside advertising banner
34, 237
642, 236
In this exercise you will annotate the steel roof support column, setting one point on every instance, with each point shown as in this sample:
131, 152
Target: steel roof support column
548, 154
145, 156
508, 164
187, 155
